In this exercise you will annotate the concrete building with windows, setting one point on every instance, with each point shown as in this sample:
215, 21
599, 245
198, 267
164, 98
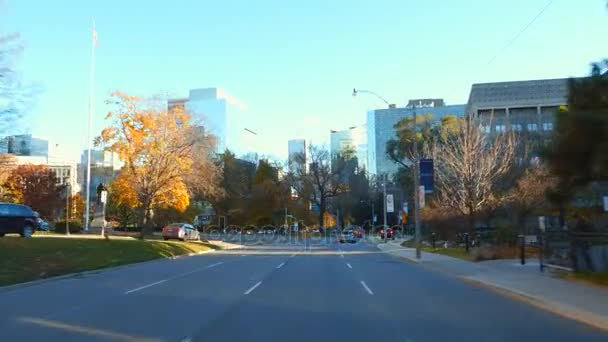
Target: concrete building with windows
217, 112
380, 128
65, 170
352, 139
522, 106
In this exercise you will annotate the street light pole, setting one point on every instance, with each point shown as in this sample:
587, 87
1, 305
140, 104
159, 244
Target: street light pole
67, 209
384, 229
372, 220
416, 185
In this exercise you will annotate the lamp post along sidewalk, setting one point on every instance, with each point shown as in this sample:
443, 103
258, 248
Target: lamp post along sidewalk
415, 163
416, 185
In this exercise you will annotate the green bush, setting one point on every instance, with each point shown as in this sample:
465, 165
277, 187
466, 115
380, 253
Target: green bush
75, 226
505, 235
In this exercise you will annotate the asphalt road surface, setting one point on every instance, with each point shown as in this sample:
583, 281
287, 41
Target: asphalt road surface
276, 292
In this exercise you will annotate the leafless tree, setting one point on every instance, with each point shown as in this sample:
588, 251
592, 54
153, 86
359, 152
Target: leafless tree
469, 164
13, 94
321, 182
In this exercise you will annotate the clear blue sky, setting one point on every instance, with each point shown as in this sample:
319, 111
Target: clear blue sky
293, 63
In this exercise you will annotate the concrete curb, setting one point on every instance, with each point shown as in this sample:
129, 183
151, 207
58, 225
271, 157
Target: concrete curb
566, 311
8, 288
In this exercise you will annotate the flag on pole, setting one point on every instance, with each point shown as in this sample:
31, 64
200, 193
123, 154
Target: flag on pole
94, 34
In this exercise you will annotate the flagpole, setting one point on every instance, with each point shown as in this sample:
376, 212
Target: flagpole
91, 83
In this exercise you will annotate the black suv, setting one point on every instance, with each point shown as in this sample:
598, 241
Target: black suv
17, 218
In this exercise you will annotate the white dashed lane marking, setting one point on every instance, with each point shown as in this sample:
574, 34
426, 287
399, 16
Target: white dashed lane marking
253, 288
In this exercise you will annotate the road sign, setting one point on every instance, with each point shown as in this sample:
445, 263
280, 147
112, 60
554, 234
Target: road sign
405, 207
427, 174
541, 223
421, 193
315, 208
390, 203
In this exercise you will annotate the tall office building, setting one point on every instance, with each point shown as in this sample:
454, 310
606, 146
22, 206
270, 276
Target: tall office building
217, 112
296, 147
353, 139
380, 128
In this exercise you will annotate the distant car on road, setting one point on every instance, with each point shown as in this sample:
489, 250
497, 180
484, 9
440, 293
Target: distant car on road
390, 234
347, 236
17, 218
180, 231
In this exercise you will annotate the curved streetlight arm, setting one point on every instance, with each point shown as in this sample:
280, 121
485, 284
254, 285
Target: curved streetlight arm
357, 91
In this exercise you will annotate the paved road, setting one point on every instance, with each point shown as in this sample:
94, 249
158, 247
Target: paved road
276, 292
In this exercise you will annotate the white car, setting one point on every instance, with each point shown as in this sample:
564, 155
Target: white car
180, 231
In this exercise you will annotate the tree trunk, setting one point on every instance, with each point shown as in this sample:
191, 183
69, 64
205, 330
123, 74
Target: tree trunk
321, 212
146, 222
471, 220
562, 215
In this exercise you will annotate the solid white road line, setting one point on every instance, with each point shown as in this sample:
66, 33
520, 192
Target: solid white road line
146, 286
174, 277
367, 288
349, 266
281, 265
253, 288
293, 255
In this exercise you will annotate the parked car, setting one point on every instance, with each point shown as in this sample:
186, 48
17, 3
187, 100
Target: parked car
180, 231
43, 225
17, 218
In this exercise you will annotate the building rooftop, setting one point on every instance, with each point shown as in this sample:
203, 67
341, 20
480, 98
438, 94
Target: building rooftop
518, 93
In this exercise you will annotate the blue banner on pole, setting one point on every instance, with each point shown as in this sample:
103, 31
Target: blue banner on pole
426, 175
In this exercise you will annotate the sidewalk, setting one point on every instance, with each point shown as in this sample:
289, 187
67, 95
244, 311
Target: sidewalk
581, 302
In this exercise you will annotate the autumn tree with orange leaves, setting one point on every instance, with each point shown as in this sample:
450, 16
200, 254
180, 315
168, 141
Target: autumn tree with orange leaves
36, 186
158, 149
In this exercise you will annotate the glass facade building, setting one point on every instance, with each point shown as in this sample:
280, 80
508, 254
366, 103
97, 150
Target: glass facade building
354, 139
380, 129
218, 113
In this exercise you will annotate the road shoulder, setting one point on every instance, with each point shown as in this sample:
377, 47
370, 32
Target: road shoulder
580, 302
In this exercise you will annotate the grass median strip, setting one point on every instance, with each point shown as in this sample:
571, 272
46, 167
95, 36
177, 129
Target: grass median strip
23, 260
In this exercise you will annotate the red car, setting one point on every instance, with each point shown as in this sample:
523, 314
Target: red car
390, 234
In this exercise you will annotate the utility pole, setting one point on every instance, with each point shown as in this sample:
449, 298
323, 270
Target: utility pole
416, 185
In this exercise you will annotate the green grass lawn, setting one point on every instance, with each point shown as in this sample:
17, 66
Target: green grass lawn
23, 260
455, 252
